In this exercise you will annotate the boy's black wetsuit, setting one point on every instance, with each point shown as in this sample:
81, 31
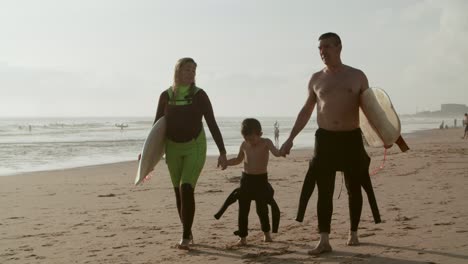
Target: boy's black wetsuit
253, 188
338, 151
275, 211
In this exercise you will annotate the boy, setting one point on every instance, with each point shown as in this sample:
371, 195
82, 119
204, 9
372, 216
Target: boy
254, 151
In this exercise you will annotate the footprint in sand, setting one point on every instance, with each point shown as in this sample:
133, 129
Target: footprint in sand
404, 218
444, 223
15, 218
393, 209
362, 256
409, 228
367, 235
106, 195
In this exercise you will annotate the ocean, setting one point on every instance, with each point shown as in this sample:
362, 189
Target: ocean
37, 144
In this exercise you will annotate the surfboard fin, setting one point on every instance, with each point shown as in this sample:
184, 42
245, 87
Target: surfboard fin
402, 144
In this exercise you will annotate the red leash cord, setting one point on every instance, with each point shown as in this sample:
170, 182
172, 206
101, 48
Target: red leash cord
374, 172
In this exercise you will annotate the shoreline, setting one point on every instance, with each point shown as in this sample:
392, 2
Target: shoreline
406, 135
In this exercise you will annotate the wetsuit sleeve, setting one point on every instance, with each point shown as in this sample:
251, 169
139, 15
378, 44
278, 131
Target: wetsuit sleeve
161, 106
207, 111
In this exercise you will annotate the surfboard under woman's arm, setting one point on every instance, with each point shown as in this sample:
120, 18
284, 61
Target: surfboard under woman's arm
161, 106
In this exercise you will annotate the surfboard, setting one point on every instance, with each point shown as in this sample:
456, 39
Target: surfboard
378, 119
153, 150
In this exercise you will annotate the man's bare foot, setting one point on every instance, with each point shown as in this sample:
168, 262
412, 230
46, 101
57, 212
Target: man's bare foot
242, 242
320, 248
353, 239
267, 237
184, 244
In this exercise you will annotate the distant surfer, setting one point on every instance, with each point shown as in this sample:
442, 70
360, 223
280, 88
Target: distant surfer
465, 123
184, 105
335, 90
276, 131
122, 126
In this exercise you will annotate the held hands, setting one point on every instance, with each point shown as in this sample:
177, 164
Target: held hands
222, 161
286, 147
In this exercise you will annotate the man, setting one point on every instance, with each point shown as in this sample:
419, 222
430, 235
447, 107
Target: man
336, 91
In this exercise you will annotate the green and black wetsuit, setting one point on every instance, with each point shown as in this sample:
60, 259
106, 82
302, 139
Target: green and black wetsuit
186, 141
186, 144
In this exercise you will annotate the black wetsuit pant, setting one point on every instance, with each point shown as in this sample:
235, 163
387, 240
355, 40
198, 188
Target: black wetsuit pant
338, 151
253, 188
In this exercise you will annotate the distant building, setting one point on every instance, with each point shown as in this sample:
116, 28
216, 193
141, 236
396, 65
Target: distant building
446, 110
453, 108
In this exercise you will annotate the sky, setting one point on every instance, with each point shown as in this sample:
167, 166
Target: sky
255, 57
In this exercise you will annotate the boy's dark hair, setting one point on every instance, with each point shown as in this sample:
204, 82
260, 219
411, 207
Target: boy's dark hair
331, 35
251, 126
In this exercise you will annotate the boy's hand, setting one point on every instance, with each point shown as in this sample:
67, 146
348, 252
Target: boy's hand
222, 161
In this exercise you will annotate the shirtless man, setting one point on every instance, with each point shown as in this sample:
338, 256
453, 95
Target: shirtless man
335, 90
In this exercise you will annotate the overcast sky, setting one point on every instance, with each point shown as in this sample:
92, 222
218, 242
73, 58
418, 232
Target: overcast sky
255, 57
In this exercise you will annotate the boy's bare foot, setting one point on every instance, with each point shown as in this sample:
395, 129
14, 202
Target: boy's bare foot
184, 244
242, 242
267, 237
320, 248
353, 239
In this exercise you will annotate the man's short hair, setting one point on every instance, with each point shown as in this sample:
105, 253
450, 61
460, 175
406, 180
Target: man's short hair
331, 35
251, 126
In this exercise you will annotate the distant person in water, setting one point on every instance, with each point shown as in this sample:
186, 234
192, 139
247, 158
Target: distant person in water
122, 126
254, 186
276, 131
465, 123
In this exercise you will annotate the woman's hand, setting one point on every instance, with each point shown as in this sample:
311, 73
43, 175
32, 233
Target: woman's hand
286, 147
222, 161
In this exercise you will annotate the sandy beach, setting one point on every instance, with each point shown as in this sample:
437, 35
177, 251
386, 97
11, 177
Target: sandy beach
95, 214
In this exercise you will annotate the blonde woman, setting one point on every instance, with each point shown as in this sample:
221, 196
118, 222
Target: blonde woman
184, 105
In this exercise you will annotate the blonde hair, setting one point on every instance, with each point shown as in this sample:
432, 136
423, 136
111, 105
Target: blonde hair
178, 66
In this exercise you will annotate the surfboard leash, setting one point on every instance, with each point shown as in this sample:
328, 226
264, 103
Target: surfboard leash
374, 172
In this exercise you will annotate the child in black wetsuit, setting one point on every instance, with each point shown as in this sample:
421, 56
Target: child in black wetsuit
254, 185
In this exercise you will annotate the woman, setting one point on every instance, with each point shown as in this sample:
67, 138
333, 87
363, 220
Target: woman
183, 106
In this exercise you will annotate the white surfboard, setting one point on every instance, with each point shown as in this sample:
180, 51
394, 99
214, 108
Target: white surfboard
379, 121
153, 150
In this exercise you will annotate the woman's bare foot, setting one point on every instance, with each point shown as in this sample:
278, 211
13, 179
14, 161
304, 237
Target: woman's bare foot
267, 237
353, 239
184, 244
320, 248
242, 242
